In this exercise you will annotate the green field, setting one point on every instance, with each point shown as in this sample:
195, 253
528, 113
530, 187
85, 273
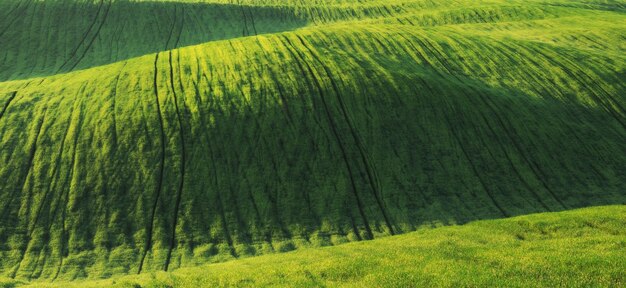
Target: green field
581, 248
141, 136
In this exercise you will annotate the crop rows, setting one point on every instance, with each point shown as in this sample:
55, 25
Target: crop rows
314, 137
44, 43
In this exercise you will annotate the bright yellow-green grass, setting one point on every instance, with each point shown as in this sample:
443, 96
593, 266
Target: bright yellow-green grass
142, 136
578, 248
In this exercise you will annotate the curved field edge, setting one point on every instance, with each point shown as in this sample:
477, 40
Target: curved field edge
577, 248
42, 41
317, 137
474, 128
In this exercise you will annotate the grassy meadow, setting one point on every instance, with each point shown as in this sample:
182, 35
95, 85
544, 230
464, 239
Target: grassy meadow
579, 248
147, 136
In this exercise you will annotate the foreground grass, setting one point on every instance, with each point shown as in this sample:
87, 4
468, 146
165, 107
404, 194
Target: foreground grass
578, 248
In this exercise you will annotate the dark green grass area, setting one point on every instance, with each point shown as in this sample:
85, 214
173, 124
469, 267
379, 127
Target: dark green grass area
581, 248
375, 119
56, 36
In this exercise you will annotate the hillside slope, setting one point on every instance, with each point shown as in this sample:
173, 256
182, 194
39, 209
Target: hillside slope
351, 128
579, 248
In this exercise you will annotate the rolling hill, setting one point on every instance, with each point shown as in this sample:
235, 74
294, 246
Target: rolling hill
536, 250
141, 136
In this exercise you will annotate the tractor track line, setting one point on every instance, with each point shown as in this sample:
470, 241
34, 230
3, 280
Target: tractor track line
48, 31
183, 163
31, 158
494, 111
182, 25
169, 37
17, 16
104, 19
374, 183
501, 121
515, 168
67, 194
150, 231
618, 115
159, 185
287, 43
245, 30
245, 179
344, 154
252, 21
311, 88
567, 107
533, 166
55, 173
7, 103
10, 12
273, 201
114, 92
455, 135
289, 118
84, 38
53, 185
182, 136
220, 205
288, 46
474, 169
492, 107
442, 60
246, 233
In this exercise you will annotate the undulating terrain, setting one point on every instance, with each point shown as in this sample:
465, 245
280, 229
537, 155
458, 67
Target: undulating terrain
581, 248
138, 136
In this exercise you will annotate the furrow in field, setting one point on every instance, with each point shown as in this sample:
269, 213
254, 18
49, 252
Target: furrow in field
513, 166
263, 143
183, 152
286, 43
161, 169
370, 170
214, 171
281, 97
67, 188
114, 92
7, 103
537, 171
51, 188
10, 11
252, 21
245, 31
526, 55
455, 134
18, 190
307, 138
31, 157
61, 198
344, 153
95, 36
83, 38
16, 17
599, 94
490, 104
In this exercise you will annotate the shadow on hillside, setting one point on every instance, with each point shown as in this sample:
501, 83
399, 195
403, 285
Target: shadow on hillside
50, 37
289, 159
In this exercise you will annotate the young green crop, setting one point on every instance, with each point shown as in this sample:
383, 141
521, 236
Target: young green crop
360, 119
578, 248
